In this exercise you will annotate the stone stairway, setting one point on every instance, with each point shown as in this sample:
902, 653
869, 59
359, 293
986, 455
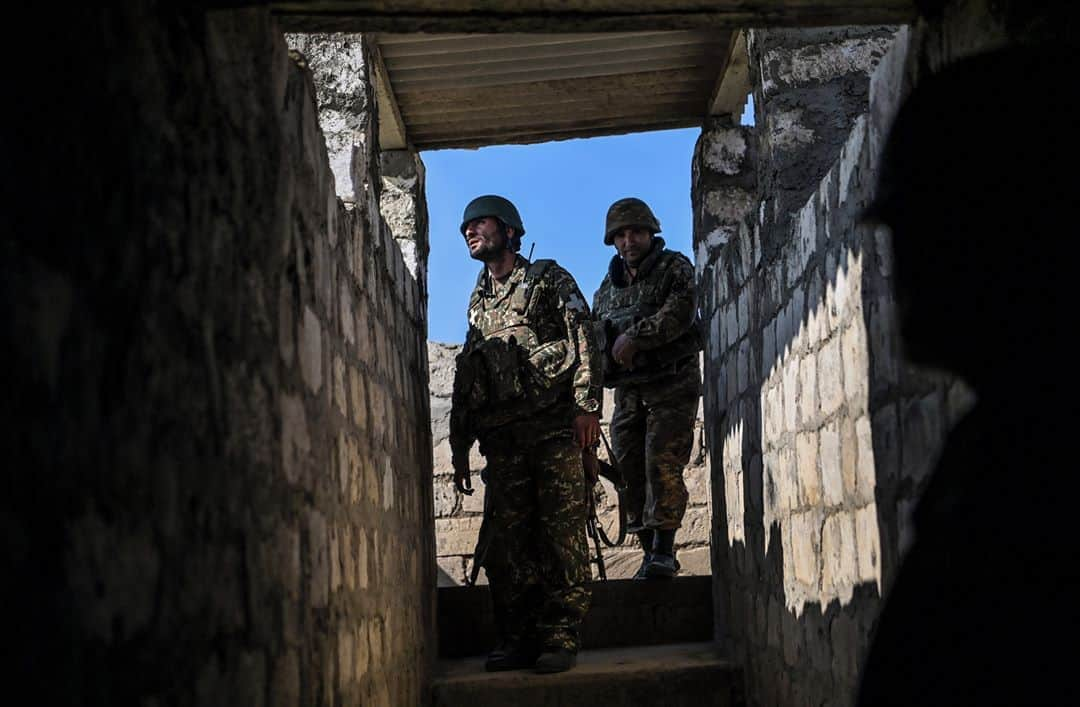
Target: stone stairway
643, 643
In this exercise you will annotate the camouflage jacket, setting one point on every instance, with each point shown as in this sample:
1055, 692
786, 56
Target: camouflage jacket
529, 364
658, 311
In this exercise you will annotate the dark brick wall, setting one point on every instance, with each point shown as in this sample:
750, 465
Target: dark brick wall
218, 475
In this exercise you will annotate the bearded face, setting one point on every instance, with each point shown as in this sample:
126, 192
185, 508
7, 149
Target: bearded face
486, 238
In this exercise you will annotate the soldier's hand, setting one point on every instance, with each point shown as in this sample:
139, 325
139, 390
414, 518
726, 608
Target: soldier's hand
623, 351
586, 430
462, 480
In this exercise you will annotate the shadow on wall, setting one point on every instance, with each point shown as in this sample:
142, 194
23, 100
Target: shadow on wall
823, 440
799, 479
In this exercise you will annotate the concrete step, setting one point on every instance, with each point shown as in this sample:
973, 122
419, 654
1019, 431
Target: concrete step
624, 612
674, 675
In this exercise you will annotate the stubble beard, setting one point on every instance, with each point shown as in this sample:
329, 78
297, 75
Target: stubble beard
491, 251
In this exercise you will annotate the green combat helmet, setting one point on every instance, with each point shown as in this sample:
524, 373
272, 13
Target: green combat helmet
492, 205
629, 212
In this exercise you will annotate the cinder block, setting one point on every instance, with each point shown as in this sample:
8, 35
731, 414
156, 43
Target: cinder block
805, 547
456, 536
791, 394
868, 542
788, 479
866, 472
358, 398
808, 406
348, 557
340, 402
849, 456
696, 526
829, 457
348, 316
318, 554
840, 563
295, 441
334, 558
445, 497
806, 451
856, 365
830, 377
311, 349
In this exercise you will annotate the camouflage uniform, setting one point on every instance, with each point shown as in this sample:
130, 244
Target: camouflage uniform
528, 368
656, 402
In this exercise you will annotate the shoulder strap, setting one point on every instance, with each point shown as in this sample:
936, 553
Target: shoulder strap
537, 269
480, 279
533, 275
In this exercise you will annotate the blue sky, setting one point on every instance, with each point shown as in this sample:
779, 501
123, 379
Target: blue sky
562, 190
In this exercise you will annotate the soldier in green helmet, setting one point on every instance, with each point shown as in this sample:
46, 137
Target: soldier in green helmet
647, 327
527, 387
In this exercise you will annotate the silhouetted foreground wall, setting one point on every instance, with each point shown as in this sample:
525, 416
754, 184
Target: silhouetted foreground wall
222, 491
821, 436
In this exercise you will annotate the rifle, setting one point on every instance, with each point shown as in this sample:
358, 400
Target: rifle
483, 538
594, 469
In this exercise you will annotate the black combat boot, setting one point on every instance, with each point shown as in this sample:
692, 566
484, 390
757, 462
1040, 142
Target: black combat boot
556, 660
662, 563
512, 656
499, 651
645, 537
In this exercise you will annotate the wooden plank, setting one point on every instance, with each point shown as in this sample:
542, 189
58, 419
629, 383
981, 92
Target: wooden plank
511, 66
440, 111
554, 16
689, 112
501, 48
539, 115
555, 90
398, 46
533, 76
392, 131
550, 135
733, 83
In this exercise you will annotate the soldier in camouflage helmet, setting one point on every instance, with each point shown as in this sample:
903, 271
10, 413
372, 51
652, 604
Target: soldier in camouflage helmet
647, 327
527, 387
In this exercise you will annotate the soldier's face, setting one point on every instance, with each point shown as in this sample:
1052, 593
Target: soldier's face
485, 239
633, 244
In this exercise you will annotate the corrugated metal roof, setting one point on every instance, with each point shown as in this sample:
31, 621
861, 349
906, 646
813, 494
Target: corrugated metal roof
469, 90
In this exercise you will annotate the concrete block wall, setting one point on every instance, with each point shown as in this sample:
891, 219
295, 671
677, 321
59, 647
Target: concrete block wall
823, 436
224, 459
381, 310
783, 269
458, 517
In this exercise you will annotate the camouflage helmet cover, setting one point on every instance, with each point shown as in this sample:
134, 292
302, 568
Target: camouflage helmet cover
629, 212
493, 205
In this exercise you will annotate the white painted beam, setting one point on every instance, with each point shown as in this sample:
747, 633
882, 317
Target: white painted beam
392, 132
733, 83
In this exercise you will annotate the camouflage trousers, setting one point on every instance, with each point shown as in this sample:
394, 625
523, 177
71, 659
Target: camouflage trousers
537, 562
652, 435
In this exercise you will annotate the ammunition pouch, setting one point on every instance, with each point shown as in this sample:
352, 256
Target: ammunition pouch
501, 360
502, 382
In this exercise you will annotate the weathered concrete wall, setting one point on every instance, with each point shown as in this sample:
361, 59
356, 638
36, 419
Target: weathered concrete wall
823, 436
809, 85
457, 517
786, 389
223, 490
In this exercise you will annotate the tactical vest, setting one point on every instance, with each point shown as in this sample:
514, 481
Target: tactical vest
513, 373
621, 308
